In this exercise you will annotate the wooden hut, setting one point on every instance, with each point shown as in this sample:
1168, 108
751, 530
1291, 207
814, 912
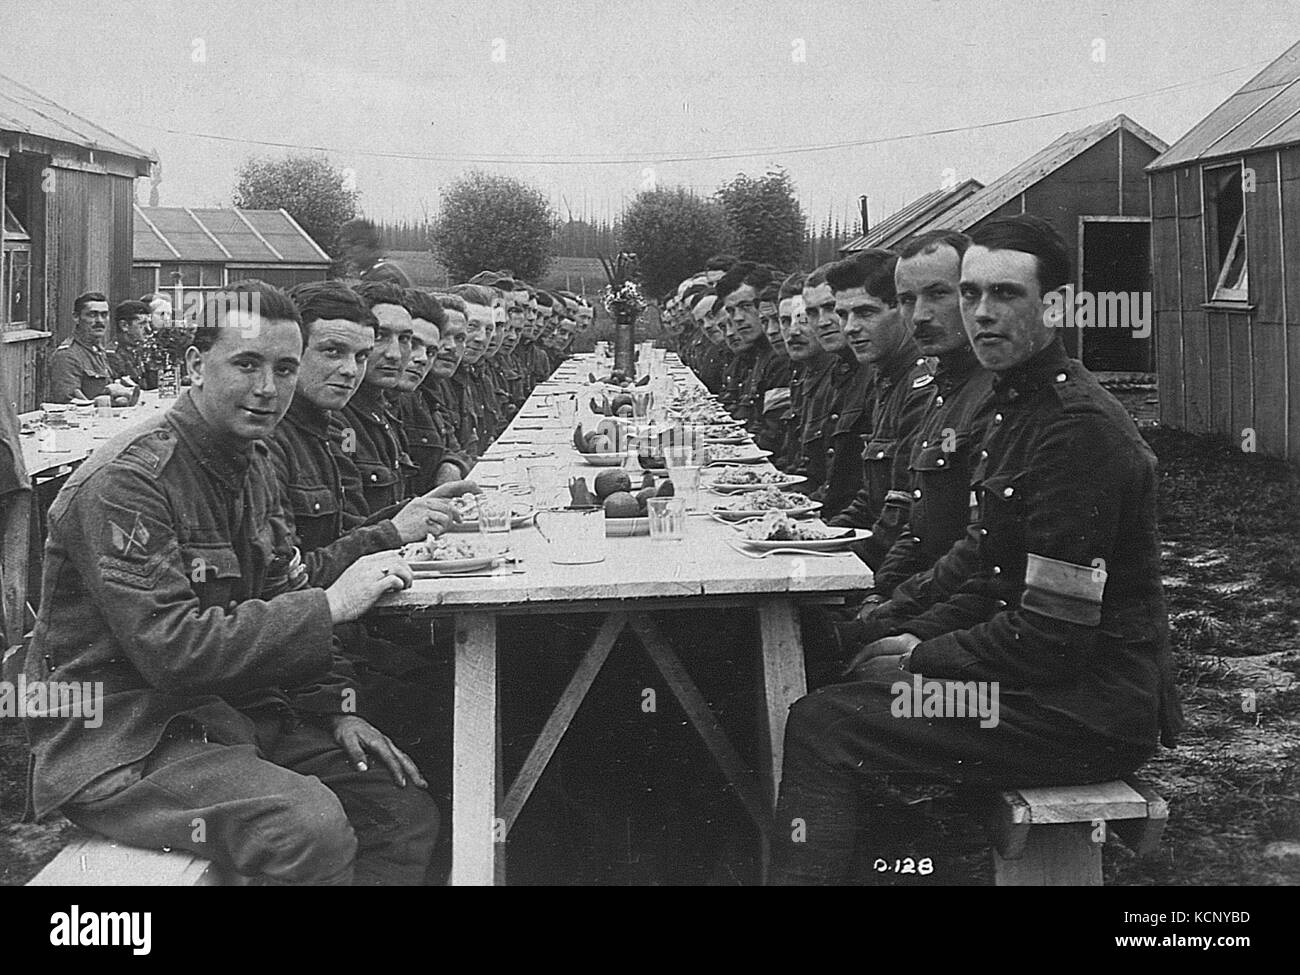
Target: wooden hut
1091, 185
68, 186
1225, 205
197, 250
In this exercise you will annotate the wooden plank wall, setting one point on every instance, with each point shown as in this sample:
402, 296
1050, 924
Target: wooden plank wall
1166, 300
1289, 218
1259, 360
1196, 340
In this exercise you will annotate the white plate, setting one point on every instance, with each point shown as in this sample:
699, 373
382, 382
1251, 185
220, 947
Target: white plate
602, 460
814, 545
747, 457
726, 514
453, 565
784, 484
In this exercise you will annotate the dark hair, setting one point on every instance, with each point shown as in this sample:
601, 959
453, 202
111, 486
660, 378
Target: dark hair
771, 293
792, 286
388, 271
270, 303
82, 300
451, 303
380, 293
421, 304
129, 309
318, 300
474, 294
543, 297
872, 269
757, 276
691, 294
721, 262
1029, 234
505, 284
930, 241
485, 278
817, 276
153, 296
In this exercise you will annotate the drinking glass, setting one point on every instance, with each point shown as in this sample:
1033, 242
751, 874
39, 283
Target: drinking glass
494, 517
566, 408
686, 485
667, 519
547, 482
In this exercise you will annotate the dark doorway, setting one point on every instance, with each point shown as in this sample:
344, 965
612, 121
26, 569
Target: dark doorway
1117, 260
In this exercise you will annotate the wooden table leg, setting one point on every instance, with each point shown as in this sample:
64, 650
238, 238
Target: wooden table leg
784, 680
474, 826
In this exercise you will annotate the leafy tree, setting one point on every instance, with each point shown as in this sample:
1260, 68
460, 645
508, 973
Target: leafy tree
672, 232
492, 221
765, 218
310, 188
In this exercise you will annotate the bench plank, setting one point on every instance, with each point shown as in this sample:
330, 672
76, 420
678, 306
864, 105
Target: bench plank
94, 861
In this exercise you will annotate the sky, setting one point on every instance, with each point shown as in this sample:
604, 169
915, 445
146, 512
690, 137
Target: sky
592, 101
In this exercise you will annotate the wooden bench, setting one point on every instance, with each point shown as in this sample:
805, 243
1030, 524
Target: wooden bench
93, 861
1052, 836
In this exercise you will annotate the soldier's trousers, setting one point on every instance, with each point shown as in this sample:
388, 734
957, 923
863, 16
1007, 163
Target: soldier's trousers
841, 740
290, 809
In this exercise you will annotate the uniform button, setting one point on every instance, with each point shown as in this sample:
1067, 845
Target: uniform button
1007, 492
1061, 377
830, 451
939, 462
925, 443
834, 417
984, 454
316, 506
984, 531
880, 455
917, 494
997, 570
374, 477
997, 417
938, 400
1002, 604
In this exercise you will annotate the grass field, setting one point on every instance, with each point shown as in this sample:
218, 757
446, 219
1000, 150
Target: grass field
1231, 528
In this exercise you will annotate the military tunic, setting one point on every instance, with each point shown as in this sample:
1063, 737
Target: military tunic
884, 501
77, 367
843, 429
429, 438
830, 385
370, 434
944, 453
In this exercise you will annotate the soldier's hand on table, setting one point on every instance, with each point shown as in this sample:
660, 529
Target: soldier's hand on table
359, 738
425, 516
454, 489
890, 646
364, 581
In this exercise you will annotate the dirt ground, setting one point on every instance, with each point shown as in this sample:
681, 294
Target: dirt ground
1231, 528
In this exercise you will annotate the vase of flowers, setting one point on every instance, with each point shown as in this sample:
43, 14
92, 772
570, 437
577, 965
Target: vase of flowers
624, 301
164, 352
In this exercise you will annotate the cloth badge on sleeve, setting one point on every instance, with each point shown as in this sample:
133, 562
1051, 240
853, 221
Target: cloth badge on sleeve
1064, 591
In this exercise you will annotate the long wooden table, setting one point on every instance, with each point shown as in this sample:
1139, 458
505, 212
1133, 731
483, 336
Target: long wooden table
638, 577
23, 519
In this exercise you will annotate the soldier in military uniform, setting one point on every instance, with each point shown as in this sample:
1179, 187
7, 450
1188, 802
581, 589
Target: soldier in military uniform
79, 367
948, 441
713, 358
767, 370
802, 347
476, 402
880, 337
1053, 597
371, 427
834, 403
127, 356
170, 580
442, 393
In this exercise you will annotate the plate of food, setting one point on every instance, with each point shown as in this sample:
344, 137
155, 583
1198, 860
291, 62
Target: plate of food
735, 454
756, 504
776, 529
725, 435
467, 505
734, 480
445, 555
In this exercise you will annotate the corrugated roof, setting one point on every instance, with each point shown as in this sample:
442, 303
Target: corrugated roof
1015, 181
200, 234
902, 223
26, 111
1264, 113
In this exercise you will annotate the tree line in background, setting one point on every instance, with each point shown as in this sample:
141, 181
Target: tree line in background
488, 220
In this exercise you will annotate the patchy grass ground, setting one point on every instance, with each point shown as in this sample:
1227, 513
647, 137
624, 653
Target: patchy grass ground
1231, 527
